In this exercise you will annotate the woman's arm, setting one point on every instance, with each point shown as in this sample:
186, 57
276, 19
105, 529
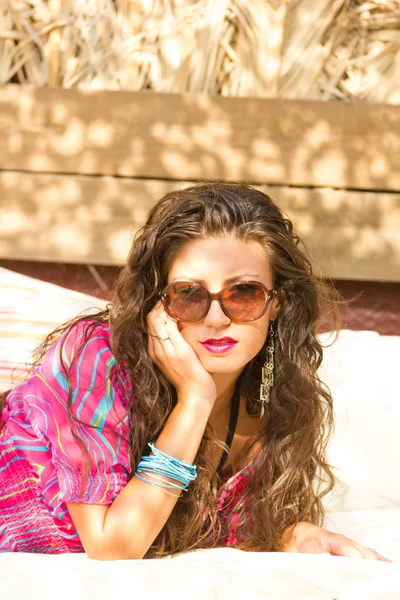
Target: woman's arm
127, 528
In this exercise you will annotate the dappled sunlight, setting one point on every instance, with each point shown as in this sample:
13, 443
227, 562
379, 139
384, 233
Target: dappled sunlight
265, 152
100, 133
15, 143
12, 222
366, 243
349, 235
174, 134
71, 140
87, 166
158, 136
67, 236
118, 244
379, 167
71, 219
328, 162
40, 162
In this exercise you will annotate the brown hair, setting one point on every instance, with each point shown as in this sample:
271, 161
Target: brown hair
291, 474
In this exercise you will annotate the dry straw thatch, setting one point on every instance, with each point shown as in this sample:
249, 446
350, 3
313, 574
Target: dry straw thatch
320, 49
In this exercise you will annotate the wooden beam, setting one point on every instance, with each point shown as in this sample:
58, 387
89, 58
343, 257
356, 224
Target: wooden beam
182, 136
80, 219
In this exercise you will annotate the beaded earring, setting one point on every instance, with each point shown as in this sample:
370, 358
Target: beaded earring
267, 380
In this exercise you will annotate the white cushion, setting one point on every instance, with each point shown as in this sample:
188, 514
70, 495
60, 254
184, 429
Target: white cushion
29, 310
362, 369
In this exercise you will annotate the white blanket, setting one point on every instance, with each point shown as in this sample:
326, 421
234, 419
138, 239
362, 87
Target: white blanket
208, 574
222, 573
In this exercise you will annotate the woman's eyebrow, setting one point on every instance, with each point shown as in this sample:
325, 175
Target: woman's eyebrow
229, 280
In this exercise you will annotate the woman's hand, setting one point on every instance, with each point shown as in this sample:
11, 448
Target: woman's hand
177, 360
310, 539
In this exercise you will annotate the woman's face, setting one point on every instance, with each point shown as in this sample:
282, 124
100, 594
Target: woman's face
212, 262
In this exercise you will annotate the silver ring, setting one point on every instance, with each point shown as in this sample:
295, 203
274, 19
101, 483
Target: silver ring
163, 336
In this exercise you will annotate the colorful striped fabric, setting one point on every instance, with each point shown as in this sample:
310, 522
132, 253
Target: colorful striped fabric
41, 464
37, 428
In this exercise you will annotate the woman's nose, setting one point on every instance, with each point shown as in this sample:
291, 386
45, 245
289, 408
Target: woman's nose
216, 316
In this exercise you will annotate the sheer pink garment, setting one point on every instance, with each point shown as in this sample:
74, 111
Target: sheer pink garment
41, 462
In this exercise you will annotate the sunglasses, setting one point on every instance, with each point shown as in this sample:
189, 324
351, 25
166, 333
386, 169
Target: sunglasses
241, 301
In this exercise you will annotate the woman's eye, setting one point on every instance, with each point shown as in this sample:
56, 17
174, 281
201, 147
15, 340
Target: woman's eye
245, 290
184, 291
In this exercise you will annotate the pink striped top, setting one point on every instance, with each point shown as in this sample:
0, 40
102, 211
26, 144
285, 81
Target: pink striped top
41, 462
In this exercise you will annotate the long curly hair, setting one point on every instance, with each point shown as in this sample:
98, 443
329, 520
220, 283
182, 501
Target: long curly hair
291, 474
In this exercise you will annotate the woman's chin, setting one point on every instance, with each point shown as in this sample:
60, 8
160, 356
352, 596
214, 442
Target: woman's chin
213, 365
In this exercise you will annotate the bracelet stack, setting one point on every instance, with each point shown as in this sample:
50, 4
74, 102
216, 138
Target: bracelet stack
155, 468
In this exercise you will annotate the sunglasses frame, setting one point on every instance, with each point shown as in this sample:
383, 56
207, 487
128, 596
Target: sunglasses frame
270, 294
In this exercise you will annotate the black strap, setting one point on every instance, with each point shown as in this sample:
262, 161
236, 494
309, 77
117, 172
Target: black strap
233, 418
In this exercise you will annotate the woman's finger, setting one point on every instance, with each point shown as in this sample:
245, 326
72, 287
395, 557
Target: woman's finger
160, 323
154, 313
172, 329
162, 343
340, 545
367, 552
375, 555
384, 558
371, 553
154, 320
151, 330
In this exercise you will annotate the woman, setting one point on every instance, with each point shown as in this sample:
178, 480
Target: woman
189, 414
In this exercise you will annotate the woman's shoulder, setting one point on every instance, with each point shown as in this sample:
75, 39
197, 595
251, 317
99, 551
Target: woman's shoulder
78, 368
80, 358
84, 350
96, 333
78, 344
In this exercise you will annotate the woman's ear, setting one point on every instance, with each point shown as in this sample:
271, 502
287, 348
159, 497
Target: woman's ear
276, 305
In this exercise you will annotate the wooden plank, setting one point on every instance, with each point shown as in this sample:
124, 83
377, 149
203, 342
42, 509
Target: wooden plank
352, 235
182, 137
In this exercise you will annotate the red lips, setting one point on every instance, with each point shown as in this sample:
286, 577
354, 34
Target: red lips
224, 340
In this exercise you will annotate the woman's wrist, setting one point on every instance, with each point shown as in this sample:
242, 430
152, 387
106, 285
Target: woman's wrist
197, 401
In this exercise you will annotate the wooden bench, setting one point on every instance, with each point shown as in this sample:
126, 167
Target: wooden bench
80, 169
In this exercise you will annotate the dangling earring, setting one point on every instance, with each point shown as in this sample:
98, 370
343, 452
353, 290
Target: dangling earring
267, 372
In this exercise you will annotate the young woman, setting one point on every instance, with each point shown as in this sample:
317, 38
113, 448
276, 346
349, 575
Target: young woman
189, 414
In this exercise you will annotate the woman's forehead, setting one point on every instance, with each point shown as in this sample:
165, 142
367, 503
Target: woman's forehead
220, 258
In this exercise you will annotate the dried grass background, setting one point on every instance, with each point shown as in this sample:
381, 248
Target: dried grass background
320, 49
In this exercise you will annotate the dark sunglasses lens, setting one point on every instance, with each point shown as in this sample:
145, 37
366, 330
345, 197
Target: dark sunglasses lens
186, 302
244, 301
